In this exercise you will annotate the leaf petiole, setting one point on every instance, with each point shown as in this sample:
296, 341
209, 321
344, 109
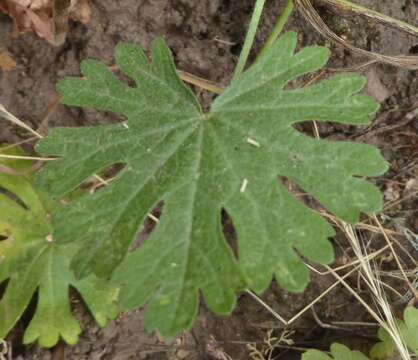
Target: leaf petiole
278, 28
252, 30
249, 38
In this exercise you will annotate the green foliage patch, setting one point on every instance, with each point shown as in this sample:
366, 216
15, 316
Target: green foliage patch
32, 261
383, 350
408, 328
338, 352
199, 163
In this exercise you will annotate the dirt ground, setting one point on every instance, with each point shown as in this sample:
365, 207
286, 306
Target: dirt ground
206, 38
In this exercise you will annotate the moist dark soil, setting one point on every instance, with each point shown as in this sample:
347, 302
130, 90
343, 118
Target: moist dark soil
206, 38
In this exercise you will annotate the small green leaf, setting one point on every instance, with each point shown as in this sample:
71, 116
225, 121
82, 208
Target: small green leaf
385, 348
408, 330
315, 355
338, 352
30, 259
200, 163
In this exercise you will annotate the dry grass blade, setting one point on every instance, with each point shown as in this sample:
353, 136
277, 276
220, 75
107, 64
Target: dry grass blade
395, 255
355, 262
350, 7
309, 12
9, 116
381, 322
9, 171
18, 157
267, 307
306, 308
190, 79
370, 276
313, 302
16, 144
198, 81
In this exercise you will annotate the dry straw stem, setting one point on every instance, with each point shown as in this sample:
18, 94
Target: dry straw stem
312, 303
13, 119
395, 255
267, 307
340, 279
310, 13
373, 229
19, 157
390, 326
360, 225
198, 81
306, 308
190, 79
368, 257
21, 142
350, 7
4, 113
370, 276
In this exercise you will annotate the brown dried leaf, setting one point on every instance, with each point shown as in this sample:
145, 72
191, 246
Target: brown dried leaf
25, 19
41, 17
6, 62
41, 24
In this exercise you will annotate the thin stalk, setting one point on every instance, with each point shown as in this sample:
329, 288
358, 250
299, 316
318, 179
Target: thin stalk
278, 28
4, 113
249, 38
349, 6
19, 157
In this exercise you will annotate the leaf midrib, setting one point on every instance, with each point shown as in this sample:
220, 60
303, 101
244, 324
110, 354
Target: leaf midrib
190, 227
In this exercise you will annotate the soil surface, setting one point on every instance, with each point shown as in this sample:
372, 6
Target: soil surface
206, 38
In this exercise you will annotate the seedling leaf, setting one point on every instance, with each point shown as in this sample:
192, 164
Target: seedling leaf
199, 163
31, 260
338, 352
408, 330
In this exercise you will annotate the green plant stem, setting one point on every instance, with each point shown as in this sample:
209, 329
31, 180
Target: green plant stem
249, 39
278, 28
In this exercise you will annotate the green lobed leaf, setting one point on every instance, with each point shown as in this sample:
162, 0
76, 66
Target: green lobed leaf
31, 260
200, 163
338, 352
408, 330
